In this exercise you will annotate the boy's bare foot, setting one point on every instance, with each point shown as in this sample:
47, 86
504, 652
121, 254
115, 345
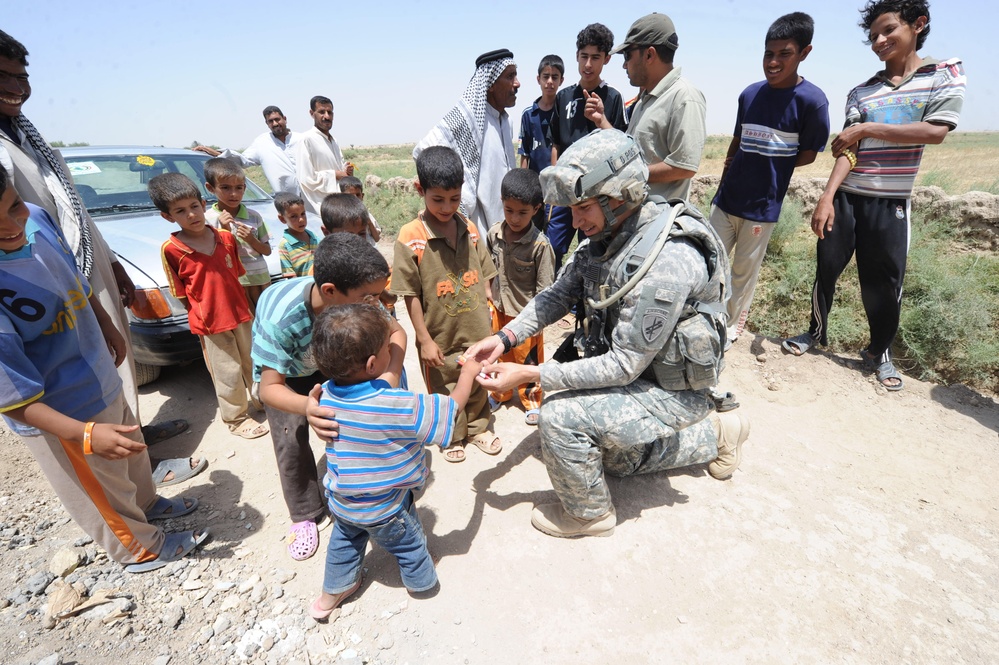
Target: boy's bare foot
323, 606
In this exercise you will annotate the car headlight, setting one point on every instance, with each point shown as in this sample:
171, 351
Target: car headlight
152, 304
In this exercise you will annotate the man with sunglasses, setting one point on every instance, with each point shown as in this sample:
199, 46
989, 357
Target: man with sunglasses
667, 121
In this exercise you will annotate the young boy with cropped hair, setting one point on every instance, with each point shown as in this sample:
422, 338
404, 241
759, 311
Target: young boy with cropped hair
343, 213
535, 134
346, 270
782, 123
377, 462
60, 392
569, 123
526, 266
298, 243
866, 203
442, 268
353, 186
203, 268
226, 180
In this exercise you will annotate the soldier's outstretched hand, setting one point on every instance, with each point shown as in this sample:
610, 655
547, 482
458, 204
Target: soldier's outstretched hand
505, 376
486, 350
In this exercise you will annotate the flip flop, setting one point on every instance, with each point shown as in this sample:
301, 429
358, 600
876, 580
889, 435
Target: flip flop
321, 614
182, 470
175, 547
166, 508
455, 452
488, 443
251, 429
798, 345
494, 403
531, 417
303, 540
159, 432
886, 372
725, 402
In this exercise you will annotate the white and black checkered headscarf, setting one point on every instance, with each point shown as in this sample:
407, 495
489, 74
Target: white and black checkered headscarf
72, 215
463, 127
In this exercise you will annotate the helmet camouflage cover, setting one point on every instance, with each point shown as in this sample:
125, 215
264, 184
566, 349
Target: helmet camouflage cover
605, 162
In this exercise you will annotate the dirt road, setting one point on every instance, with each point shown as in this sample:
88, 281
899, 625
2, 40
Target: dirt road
861, 528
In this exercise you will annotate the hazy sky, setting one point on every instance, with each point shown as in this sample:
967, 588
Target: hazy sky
130, 72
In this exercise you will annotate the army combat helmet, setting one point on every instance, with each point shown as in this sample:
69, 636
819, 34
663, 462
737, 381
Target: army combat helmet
605, 164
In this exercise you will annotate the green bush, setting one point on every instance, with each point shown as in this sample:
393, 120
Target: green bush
950, 306
392, 208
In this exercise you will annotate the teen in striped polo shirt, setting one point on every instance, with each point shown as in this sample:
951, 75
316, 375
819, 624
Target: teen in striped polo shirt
865, 206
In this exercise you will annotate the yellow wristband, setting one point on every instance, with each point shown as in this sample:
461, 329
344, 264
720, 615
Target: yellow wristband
88, 432
852, 157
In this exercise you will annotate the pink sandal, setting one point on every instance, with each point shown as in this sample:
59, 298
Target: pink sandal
303, 540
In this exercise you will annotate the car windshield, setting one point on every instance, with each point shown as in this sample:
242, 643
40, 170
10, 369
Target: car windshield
113, 184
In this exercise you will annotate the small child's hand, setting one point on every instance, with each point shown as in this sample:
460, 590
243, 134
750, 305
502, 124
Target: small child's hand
225, 220
431, 356
112, 443
470, 366
243, 232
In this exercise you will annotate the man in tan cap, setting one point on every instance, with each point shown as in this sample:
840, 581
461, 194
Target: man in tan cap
667, 121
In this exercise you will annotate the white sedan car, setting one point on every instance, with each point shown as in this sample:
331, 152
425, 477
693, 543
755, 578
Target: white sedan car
112, 182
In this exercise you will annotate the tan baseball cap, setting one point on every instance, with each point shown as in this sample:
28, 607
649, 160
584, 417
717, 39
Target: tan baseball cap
652, 30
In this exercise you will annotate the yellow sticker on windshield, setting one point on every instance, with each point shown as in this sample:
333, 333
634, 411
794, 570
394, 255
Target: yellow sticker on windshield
145, 160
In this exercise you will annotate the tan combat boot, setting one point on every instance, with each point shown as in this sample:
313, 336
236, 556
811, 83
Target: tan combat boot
732, 430
552, 519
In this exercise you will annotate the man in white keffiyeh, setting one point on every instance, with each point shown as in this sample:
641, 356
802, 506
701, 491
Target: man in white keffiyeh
42, 178
478, 129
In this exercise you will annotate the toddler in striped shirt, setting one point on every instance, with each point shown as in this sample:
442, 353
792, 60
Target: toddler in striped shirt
377, 461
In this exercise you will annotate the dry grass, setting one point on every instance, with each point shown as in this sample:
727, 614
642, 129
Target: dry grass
965, 161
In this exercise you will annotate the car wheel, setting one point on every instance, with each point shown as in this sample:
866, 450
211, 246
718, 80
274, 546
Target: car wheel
146, 373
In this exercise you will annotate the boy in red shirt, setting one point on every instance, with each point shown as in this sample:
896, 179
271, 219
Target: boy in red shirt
203, 267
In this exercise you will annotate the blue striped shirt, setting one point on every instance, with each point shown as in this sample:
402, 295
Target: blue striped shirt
378, 456
282, 329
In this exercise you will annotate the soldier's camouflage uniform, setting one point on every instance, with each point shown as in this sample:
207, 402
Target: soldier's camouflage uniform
612, 416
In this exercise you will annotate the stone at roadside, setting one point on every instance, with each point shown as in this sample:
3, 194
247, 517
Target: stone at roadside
316, 645
51, 659
66, 561
161, 660
283, 575
173, 615
246, 585
38, 582
222, 624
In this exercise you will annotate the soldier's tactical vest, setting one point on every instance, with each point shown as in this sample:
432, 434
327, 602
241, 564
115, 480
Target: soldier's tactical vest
692, 357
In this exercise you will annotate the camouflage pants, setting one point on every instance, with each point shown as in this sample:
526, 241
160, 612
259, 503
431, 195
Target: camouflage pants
623, 431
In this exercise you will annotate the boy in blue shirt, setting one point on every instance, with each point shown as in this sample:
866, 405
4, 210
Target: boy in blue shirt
782, 123
535, 137
60, 392
377, 461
